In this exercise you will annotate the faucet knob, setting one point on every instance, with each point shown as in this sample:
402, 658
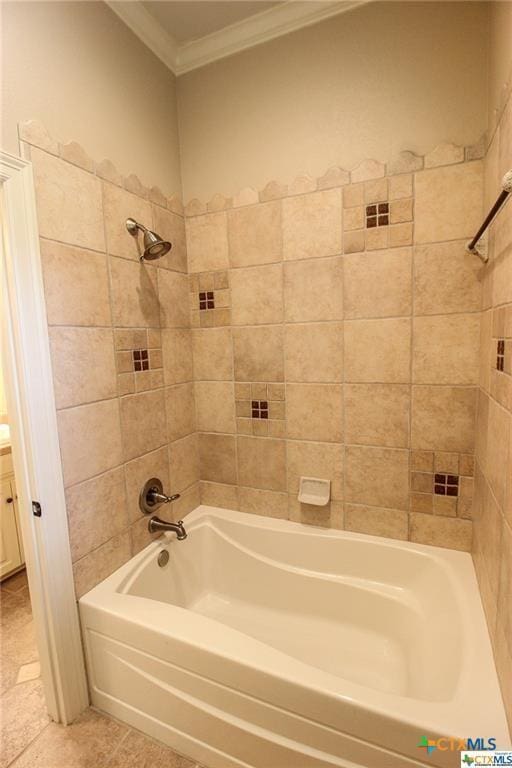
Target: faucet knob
152, 496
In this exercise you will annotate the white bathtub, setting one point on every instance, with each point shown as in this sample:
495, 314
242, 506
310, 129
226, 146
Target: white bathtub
271, 644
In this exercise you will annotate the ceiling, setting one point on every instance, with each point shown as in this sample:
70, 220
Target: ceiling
187, 34
187, 21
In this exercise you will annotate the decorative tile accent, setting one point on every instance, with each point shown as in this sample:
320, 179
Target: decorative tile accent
260, 409
377, 215
138, 359
446, 485
210, 299
500, 355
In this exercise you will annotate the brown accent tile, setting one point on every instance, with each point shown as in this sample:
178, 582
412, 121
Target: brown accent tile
262, 463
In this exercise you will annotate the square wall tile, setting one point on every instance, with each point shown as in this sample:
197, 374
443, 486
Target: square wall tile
377, 477
314, 352
377, 414
142, 423
314, 412
448, 202
445, 349
257, 295
215, 406
213, 354
313, 290
378, 284
441, 531
171, 227
443, 418
218, 458
90, 440
120, 205
312, 225
207, 242
69, 204
86, 300
101, 562
258, 353
83, 365
255, 501
96, 511
173, 296
254, 234
219, 495
184, 463
392, 523
180, 407
261, 463
378, 350
446, 279
322, 460
134, 294
177, 355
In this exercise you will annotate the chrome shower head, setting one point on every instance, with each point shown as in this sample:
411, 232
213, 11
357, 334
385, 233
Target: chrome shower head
154, 246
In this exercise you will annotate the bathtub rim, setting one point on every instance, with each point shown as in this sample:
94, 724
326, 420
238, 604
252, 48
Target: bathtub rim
439, 716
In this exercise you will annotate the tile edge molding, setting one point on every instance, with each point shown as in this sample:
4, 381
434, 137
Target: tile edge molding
35, 134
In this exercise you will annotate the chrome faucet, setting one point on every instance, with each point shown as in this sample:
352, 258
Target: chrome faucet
155, 525
151, 497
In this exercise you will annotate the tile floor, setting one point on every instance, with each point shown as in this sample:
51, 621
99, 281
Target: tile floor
28, 739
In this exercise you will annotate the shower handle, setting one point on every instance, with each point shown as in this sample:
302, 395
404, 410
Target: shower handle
152, 496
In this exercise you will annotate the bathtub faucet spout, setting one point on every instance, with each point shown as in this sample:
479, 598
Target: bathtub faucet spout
155, 525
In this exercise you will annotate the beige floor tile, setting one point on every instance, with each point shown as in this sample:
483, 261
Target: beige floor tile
89, 741
137, 751
23, 717
28, 672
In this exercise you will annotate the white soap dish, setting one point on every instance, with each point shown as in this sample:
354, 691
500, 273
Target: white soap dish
315, 491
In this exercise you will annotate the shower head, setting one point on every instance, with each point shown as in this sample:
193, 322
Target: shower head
154, 246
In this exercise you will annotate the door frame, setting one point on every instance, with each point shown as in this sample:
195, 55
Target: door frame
35, 445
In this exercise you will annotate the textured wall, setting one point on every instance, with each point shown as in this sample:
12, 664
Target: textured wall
492, 548
368, 83
121, 352
335, 334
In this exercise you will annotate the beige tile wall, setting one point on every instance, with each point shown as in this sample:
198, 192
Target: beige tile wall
117, 426
356, 330
492, 542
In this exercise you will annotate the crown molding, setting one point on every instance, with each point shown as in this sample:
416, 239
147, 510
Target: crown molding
248, 33
147, 29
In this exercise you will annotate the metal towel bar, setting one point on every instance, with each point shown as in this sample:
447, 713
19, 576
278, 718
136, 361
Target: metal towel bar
471, 247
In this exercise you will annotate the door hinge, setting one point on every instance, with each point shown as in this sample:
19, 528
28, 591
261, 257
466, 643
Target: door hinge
36, 509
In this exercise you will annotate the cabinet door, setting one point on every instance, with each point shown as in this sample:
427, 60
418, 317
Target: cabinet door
10, 557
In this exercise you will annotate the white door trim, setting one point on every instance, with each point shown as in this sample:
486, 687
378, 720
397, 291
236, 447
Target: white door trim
35, 441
